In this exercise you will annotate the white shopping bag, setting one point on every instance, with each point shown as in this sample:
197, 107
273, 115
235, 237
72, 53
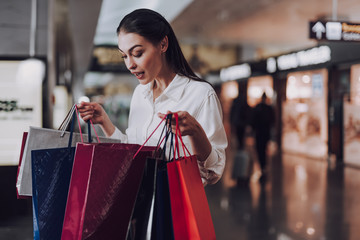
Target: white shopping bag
43, 138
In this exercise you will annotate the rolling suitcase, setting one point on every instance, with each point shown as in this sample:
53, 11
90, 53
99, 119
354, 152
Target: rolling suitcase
243, 166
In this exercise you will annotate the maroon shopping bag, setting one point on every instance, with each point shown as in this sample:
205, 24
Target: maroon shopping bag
21, 154
103, 188
189, 206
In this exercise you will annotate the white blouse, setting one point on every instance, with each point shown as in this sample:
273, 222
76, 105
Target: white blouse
199, 100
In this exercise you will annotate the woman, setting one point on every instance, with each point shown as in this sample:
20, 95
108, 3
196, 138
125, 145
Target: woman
167, 84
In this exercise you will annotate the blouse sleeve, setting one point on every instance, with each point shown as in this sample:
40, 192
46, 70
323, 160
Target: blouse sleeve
210, 118
119, 135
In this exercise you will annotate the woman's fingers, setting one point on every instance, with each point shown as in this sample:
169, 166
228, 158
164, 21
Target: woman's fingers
87, 111
161, 115
185, 121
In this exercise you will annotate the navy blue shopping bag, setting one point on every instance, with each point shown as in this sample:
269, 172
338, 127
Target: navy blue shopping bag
51, 173
51, 177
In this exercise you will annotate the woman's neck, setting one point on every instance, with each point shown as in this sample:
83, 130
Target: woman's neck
161, 83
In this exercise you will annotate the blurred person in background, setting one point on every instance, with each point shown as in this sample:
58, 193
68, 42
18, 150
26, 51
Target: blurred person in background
152, 54
240, 116
240, 113
262, 121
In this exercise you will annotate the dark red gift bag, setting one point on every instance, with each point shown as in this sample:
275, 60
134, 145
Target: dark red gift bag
189, 207
21, 154
103, 188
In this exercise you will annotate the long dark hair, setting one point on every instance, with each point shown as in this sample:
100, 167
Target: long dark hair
154, 27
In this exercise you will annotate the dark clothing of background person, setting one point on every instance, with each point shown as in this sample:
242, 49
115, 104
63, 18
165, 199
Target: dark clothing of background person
262, 121
239, 119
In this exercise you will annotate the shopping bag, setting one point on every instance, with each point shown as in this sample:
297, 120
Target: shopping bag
18, 170
51, 172
162, 219
141, 220
190, 210
189, 207
103, 187
43, 138
151, 218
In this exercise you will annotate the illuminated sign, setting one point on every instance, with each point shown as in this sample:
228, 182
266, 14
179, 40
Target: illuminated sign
303, 58
235, 72
20, 104
271, 65
334, 31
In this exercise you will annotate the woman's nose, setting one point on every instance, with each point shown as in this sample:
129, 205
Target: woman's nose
131, 64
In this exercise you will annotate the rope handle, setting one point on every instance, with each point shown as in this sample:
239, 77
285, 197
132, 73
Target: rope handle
78, 120
150, 137
89, 130
178, 136
67, 120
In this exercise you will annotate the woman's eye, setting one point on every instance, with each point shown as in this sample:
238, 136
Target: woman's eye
123, 56
138, 54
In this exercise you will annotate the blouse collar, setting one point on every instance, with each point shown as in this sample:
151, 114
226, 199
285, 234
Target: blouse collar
173, 91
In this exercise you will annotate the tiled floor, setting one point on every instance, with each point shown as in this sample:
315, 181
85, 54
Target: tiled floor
17, 228
300, 199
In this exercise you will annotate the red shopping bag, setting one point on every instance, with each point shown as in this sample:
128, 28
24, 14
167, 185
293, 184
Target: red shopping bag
189, 207
103, 188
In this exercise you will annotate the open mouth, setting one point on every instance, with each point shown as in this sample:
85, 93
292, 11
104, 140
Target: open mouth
139, 74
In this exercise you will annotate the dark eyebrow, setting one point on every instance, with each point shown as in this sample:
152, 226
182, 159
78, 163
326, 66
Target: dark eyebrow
132, 48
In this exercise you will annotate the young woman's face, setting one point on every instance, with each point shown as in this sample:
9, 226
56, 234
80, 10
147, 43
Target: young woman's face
141, 57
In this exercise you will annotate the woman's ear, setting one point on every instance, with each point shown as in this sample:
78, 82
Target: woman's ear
164, 44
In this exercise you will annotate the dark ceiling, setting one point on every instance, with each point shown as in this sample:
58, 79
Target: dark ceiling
270, 27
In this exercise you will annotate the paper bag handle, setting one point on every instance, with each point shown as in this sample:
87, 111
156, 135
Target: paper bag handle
178, 137
67, 119
71, 115
149, 137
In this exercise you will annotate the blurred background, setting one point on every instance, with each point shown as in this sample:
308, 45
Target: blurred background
304, 55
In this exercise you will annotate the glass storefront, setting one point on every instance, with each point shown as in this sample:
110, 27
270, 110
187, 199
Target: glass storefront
304, 114
352, 119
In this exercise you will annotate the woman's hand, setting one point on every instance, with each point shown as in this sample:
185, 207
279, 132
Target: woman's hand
91, 111
189, 126
96, 113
